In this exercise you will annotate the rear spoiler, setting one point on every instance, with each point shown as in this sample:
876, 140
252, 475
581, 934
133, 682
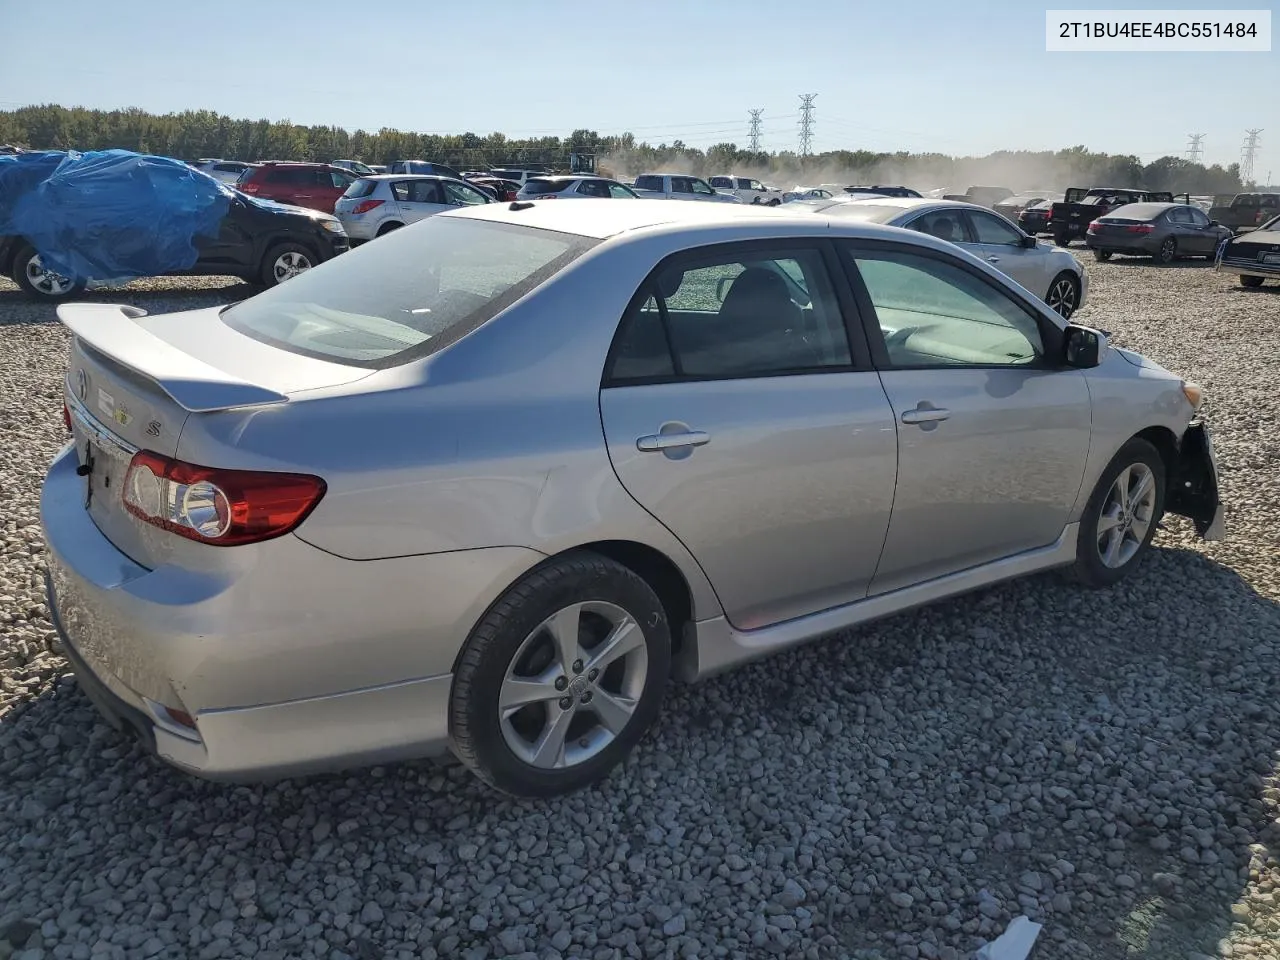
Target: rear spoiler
112, 329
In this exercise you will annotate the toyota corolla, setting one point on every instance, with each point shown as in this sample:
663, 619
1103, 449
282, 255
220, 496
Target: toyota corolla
486, 485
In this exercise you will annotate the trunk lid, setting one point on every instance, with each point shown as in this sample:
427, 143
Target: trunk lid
133, 381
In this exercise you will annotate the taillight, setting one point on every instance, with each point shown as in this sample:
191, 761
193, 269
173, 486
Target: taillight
364, 206
1093, 227
219, 507
66, 417
1139, 228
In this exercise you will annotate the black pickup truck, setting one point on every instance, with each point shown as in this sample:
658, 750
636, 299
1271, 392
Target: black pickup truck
1069, 219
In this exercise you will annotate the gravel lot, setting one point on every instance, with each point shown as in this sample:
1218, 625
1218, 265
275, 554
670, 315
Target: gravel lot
1104, 762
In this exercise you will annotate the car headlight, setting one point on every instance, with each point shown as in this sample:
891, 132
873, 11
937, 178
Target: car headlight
333, 226
1194, 394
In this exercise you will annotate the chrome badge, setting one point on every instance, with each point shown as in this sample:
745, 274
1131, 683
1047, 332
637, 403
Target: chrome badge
153, 428
82, 383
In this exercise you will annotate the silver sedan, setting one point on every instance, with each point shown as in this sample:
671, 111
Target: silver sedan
1047, 271
488, 484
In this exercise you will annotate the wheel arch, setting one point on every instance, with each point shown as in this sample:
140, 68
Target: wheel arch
1166, 444
658, 570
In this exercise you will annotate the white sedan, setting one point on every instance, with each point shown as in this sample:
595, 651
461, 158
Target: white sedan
1050, 273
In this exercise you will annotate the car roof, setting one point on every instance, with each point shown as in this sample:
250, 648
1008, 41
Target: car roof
604, 219
1147, 210
408, 176
883, 209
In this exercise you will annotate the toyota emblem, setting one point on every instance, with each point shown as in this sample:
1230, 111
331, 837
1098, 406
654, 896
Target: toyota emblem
82, 383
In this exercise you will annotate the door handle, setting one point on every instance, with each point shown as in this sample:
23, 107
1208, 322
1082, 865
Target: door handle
672, 441
925, 413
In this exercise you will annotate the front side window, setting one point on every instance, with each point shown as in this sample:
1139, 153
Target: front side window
461, 193
618, 192
419, 290
700, 186
991, 229
935, 314
681, 185
754, 314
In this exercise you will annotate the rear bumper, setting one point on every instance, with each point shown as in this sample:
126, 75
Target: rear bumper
1139, 248
1249, 268
289, 659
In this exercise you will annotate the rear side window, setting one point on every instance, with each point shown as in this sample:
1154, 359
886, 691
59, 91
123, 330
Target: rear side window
419, 291
361, 188
293, 176
725, 182
648, 183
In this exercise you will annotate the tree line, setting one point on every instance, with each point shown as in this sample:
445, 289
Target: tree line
193, 134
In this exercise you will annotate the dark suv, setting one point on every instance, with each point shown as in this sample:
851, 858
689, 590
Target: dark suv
260, 243
314, 185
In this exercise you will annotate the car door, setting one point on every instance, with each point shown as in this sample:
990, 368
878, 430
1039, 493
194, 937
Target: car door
1207, 235
330, 186
418, 199
992, 434
682, 188
234, 247
1000, 243
771, 454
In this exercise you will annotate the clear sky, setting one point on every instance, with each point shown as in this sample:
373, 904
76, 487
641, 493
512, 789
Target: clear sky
956, 77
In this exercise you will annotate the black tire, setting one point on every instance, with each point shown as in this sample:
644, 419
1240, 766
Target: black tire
268, 273
474, 725
388, 227
1102, 256
23, 257
1248, 281
1089, 567
774, 202
1168, 251
1062, 237
1063, 296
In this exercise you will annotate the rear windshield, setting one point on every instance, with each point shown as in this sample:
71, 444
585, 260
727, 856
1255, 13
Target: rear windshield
408, 295
536, 186
361, 188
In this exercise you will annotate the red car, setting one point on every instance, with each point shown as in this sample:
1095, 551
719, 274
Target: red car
314, 185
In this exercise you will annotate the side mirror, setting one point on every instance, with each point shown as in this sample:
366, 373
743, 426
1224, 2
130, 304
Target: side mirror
1083, 346
1029, 242
722, 287
1214, 223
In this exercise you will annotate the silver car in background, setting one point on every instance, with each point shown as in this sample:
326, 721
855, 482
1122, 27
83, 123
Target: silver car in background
487, 484
374, 206
575, 187
1050, 273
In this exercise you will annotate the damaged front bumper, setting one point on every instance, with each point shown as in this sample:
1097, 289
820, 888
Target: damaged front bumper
1193, 483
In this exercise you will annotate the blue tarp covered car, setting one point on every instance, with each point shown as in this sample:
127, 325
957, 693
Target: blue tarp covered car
106, 216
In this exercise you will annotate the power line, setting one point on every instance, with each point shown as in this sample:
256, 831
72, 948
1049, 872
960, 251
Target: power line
753, 137
1194, 150
1247, 154
806, 123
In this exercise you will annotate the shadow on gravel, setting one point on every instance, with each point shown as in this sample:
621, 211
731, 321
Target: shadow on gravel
1097, 760
17, 308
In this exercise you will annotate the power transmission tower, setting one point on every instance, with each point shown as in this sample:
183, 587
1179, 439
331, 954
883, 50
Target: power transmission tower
806, 123
753, 135
1194, 150
1247, 154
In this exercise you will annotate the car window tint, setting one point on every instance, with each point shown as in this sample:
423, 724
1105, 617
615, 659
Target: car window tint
935, 314
1198, 217
425, 191
721, 182
641, 351
747, 316
700, 186
991, 229
681, 185
1180, 215
943, 224
339, 180
619, 192
360, 188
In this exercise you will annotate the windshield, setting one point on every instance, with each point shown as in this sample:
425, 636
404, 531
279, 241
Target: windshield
1272, 224
410, 294
536, 187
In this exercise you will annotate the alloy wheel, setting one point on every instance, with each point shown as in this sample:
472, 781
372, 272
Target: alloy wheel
1062, 297
289, 265
1127, 515
46, 281
573, 685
